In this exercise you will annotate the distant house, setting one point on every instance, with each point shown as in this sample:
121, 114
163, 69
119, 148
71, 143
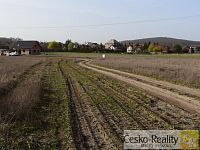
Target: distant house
186, 49
112, 45
92, 45
130, 49
135, 48
194, 49
4, 50
164, 48
28, 47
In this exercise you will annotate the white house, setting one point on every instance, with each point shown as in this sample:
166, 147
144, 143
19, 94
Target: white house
129, 49
112, 45
113, 48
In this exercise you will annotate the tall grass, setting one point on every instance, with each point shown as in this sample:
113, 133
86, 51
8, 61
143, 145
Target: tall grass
16, 108
12, 67
17, 103
178, 70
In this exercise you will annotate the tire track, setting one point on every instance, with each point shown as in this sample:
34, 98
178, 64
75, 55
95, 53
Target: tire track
162, 84
170, 114
88, 132
183, 102
131, 106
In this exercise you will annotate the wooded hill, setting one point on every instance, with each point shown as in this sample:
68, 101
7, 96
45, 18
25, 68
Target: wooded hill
163, 40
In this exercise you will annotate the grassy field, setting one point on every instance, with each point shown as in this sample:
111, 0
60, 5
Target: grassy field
176, 69
12, 68
55, 103
110, 55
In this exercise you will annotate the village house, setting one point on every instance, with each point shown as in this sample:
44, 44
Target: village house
186, 49
112, 45
92, 45
135, 48
4, 50
28, 47
164, 49
130, 49
194, 49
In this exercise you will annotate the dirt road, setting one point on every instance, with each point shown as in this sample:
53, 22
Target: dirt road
183, 97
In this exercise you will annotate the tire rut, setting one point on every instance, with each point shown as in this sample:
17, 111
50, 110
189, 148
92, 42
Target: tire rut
183, 90
186, 103
88, 132
117, 97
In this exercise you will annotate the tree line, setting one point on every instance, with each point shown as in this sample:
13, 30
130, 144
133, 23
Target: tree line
70, 46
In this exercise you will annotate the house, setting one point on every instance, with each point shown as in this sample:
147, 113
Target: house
135, 48
92, 45
129, 49
138, 49
28, 47
4, 50
164, 48
186, 49
194, 49
112, 45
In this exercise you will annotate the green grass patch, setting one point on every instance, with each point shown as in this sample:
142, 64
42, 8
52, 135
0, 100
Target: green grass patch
99, 55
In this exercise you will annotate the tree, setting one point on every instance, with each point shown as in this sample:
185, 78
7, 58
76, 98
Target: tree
157, 48
154, 47
125, 46
71, 46
151, 47
145, 46
55, 45
177, 48
67, 43
101, 46
149, 43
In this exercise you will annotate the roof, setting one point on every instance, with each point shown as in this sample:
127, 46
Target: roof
195, 46
4, 47
26, 44
112, 41
90, 43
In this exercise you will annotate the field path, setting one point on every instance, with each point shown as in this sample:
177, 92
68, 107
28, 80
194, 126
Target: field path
153, 87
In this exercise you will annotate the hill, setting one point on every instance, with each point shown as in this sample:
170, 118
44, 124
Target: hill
163, 40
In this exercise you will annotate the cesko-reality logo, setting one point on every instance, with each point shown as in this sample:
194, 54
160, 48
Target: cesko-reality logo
161, 139
189, 139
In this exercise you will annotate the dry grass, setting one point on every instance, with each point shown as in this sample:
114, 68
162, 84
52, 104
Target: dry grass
178, 70
19, 99
35, 113
16, 107
12, 67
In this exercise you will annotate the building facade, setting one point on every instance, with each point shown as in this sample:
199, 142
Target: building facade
112, 45
28, 47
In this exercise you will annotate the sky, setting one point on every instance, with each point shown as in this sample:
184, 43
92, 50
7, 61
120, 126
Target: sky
99, 20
